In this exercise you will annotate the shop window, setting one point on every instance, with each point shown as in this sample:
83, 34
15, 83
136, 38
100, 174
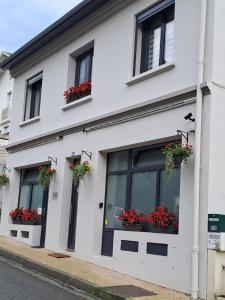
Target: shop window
136, 179
31, 193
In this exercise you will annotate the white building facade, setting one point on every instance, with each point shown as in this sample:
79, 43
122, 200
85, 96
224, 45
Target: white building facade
150, 63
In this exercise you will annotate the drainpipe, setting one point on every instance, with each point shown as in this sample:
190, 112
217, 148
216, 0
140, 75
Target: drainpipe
197, 159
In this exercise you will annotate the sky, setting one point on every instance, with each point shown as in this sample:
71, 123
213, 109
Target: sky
21, 20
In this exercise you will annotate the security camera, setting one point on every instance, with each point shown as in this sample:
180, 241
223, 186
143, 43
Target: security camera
189, 117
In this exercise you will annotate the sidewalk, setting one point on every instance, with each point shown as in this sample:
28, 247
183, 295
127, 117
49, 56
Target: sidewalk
88, 277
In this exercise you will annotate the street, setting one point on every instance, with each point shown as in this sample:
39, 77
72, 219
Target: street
17, 283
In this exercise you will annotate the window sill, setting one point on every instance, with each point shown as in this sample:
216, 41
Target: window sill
30, 121
77, 102
151, 73
6, 121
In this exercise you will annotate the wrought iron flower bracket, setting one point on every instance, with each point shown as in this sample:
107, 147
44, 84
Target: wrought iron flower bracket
6, 169
184, 134
53, 159
89, 154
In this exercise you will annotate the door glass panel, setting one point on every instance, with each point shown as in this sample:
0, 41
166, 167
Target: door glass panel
24, 196
118, 161
115, 200
145, 158
37, 197
143, 191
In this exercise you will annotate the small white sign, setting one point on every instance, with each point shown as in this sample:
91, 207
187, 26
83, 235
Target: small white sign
39, 210
214, 240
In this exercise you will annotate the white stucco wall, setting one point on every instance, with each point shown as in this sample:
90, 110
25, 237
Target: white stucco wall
112, 68
146, 130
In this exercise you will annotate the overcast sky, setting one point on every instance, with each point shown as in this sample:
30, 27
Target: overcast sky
21, 20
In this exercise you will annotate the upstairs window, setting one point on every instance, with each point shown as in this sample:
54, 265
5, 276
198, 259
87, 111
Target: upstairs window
33, 97
155, 37
83, 67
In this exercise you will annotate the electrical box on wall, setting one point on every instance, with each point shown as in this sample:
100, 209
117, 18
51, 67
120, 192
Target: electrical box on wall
216, 232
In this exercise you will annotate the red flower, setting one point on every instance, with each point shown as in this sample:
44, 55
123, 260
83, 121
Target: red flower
131, 217
161, 217
75, 92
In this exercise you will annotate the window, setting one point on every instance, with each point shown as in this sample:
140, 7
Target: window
83, 67
155, 37
136, 179
33, 97
31, 193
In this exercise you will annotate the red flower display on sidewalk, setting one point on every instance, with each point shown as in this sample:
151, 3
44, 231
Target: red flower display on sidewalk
161, 218
75, 93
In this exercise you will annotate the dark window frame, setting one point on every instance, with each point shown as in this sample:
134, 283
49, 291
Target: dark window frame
30, 184
164, 10
78, 59
32, 105
132, 170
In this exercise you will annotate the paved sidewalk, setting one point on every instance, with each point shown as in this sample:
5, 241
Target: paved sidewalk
86, 276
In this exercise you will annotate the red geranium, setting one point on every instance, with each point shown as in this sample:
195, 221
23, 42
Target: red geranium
161, 217
77, 92
16, 214
130, 216
30, 216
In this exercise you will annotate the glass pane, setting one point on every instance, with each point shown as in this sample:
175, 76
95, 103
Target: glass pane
24, 196
37, 98
82, 70
152, 157
115, 200
28, 104
154, 48
30, 176
169, 41
170, 192
118, 161
143, 191
37, 197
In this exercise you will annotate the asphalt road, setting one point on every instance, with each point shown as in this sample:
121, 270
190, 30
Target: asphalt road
18, 283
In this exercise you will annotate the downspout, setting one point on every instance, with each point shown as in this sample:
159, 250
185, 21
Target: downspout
197, 160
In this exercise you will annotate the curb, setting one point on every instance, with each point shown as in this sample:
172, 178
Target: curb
61, 276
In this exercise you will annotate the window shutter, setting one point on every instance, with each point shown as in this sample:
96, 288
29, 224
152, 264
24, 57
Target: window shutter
154, 10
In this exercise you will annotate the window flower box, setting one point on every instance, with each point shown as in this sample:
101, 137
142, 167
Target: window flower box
77, 92
27, 234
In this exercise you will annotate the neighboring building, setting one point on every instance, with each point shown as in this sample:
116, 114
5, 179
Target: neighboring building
6, 90
151, 64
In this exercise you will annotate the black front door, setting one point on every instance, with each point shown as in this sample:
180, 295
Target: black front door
44, 216
73, 218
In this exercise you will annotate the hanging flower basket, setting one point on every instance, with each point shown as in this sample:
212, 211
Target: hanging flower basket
77, 92
132, 220
4, 180
45, 176
161, 218
79, 171
175, 155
